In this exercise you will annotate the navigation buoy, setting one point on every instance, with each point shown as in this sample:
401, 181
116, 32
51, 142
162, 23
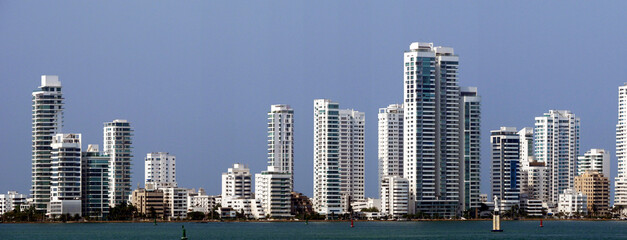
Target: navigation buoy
184, 237
352, 224
541, 223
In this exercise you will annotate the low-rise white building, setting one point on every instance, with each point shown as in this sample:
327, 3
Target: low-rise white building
11, 200
175, 200
572, 202
394, 196
200, 202
273, 189
359, 205
251, 208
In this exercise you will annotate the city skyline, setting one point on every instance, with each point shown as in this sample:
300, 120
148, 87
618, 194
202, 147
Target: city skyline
93, 95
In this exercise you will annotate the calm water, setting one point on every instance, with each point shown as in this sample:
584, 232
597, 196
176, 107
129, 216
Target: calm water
320, 230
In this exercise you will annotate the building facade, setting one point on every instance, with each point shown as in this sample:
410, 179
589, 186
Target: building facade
594, 160
47, 120
175, 200
620, 182
390, 134
470, 146
281, 139
505, 167
596, 187
117, 145
526, 146
534, 181
433, 131
150, 202
10, 201
160, 170
395, 200
556, 142
65, 178
95, 183
339, 147
273, 189
572, 202
236, 182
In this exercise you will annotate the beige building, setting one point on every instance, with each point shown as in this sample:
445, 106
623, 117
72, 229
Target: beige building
144, 200
597, 188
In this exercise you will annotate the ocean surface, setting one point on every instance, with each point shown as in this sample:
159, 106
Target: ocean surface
320, 230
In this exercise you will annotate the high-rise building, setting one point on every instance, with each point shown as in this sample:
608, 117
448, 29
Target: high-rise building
432, 133
95, 183
236, 182
160, 168
526, 146
338, 157
620, 187
505, 176
117, 145
594, 160
470, 146
596, 187
47, 121
390, 142
272, 188
395, 200
65, 178
534, 181
281, 139
556, 142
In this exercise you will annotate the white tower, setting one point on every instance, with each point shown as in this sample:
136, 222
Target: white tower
65, 181
432, 132
47, 121
556, 142
236, 182
470, 147
390, 141
281, 140
338, 157
117, 145
620, 187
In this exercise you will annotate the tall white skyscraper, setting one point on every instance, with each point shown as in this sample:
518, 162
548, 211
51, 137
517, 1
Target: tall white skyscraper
160, 170
117, 145
281, 139
65, 180
432, 133
620, 187
505, 176
470, 147
338, 157
237, 182
594, 160
390, 142
47, 114
526, 146
556, 142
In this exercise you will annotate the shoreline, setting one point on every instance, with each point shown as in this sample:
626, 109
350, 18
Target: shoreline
301, 221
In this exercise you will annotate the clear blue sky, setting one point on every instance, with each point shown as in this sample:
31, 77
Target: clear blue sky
196, 78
